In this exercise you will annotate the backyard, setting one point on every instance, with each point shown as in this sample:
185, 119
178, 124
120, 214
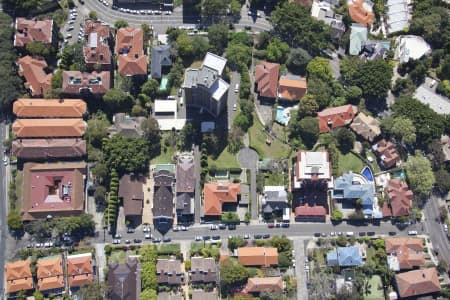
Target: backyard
167, 152
350, 162
258, 138
224, 161
375, 288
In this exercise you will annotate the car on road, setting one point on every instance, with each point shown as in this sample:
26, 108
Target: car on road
157, 12
167, 12
234, 107
236, 88
146, 229
412, 232
445, 227
222, 226
156, 240
147, 236
116, 241
392, 233
117, 236
175, 229
270, 225
332, 233
339, 233
71, 22
184, 228
127, 242
137, 241
349, 233
370, 233
285, 225
231, 227
323, 234
114, 7
257, 236
214, 227
246, 236
130, 230
198, 238
216, 237
180, 92
362, 233
266, 236
69, 36
317, 234
167, 239
206, 237
277, 225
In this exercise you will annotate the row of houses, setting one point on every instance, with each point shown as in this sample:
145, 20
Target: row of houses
53, 274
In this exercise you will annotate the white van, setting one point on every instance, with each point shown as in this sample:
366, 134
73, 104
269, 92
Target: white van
181, 101
236, 88
349, 233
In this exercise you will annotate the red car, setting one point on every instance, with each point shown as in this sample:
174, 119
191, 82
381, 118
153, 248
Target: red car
270, 225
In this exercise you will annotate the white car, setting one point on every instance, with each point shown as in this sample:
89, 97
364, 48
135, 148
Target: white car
184, 228
176, 229
71, 22
412, 232
168, 12
349, 233
148, 236
213, 227
234, 107
69, 36
198, 238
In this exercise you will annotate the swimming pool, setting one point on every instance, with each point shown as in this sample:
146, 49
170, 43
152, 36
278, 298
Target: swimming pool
283, 115
400, 174
164, 81
366, 172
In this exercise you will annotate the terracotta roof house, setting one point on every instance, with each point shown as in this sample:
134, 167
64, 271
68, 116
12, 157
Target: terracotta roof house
361, 11
185, 186
366, 126
49, 108
53, 189
163, 198
291, 89
28, 31
124, 280
405, 253
336, 117
344, 257
203, 270
258, 256
79, 269
161, 60
216, 194
130, 49
50, 274
387, 153
131, 190
311, 166
47, 149
417, 283
169, 272
400, 197
36, 80
264, 284
266, 79
18, 276
306, 213
125, 125
97, 50
42, 128
87, 84
203, 295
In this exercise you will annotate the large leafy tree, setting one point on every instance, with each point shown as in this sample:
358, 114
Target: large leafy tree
185, 45
419, 173
214, 8
149, 294
320, 68
152, 134
238, 55
404, 130
308, 106
277, 51
232, 273
442, 180
305, 130
97, 129
218, 37
298, 60
93, 291
150, 88
117, 100
345, 139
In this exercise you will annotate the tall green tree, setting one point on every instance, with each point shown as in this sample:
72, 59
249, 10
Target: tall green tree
214, 8
232, 273
117, 100
238, 55
218, 37
320, 68
419, 173
308, 106
97, 129
120, 24
152, 134
93, 291
185, 45
298, 60
404, 130
150, 88
277, 51
345, 139
305, 130
149, 294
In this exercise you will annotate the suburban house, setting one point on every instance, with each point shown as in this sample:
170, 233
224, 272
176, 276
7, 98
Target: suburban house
376, 49
344, 257
361, 11
306, 213
130, 50
334, 117
43, 128
48, 149
400, 199
366, 127
52, 190
169, 272
337, 27
172, 296
312, 166
49, 108
131, 190
216, 195
37, 82
124, 280
203, 270
387, 153
185, 187
163, 198
354, 189
266, 79
18, 276
291, 88
76, 83
50, 275
324, 11
79, 270
198, 294
411, 47
258, 256
97, 52
126, 125
161, 60
404, 253
358, 38
275, 202
34, 30
205, 88
397, 15
417, 283
256, 285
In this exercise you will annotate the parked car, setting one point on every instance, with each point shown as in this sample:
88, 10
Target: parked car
175, 229
231, 227
127, 242
270, 225
246, 236
317, 234
257, 236
167, 239
117, 236
216, 237
137, 241
147, 236
156, 240
349, 233
285, 225
213, 227
266, 236
206, 237
116, 241
130, 230
198, 238
412, 232
370, 233
184, 228
392, 233
323, 234
222, 226
362, 233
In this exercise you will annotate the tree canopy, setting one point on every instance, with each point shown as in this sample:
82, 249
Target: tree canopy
304, 130
298, 60
97, 129
120, 24
419, 173
308, 106
218, 37
232, 273
277, 51
150, 88
117, 100
185, 45
345, 139
152, 134
320, 68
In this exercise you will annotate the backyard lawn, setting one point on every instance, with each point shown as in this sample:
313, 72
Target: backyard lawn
350, 162
226, 160
374, 164
196, 64
376, 288
166, 157
258, 139
120, 256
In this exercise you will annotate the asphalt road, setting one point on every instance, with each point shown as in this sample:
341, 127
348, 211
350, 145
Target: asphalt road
3, 209
435, 229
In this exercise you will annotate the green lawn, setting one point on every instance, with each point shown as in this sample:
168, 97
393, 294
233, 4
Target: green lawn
166, 156
258, 139
118, 257
196, 64
275, 179
350, 162
374, 165
226, 160
376, 289
19, 187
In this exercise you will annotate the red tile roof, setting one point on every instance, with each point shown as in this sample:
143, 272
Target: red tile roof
48, 267
129, 48
266, 78
400, 197
21, 284
388, 153
310, 211
55, 189
76, 82
217, 193
409, 251
417, 282
18, 276
33, 128
336, 117
33, 30
97, 49
51, 283
43, 108
37, 81
79, 269
258, 256
360, 12
291, 89
48, 148
269, 284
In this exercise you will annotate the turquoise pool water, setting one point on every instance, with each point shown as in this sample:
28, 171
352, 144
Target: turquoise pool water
400, 174
366, 172
163, 85
282, 117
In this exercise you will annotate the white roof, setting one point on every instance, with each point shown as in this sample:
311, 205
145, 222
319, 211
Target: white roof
439, 104
313, 163
92, 40
164, 106
318, 6
273, 188
215, 62
168, 124
218, 89
163, 39
412, 46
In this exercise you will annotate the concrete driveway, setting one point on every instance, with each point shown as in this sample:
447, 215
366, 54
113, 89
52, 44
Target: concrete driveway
248, 159
233, 97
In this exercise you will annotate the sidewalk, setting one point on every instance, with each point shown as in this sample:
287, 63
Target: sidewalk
100, 256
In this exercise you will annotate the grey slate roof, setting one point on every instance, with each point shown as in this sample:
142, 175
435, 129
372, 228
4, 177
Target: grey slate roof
160, 58
124, 280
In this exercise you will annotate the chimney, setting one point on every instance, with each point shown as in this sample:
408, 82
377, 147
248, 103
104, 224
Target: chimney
136, 55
